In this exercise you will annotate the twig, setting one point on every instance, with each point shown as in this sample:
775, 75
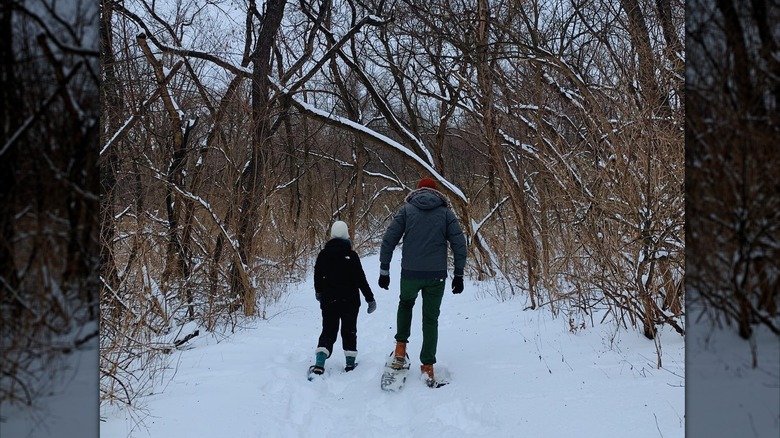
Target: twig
656, 425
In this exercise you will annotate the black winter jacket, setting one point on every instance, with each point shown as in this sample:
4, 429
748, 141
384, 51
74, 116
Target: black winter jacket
338, 275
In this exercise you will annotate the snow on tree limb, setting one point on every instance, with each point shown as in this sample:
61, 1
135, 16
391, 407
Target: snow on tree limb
148, 34
132, 120
379, 101
234, 244
341, 122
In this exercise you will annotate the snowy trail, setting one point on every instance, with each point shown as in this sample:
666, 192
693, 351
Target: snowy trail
514, 373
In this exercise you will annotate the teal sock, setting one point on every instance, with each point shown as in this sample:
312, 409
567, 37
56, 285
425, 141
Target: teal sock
320, 359
350, 361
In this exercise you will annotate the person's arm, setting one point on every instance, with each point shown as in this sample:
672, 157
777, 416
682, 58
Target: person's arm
362, 282
390, 240
457, 243
319, 275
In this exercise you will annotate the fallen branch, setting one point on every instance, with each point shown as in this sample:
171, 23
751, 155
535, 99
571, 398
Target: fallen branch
179, 342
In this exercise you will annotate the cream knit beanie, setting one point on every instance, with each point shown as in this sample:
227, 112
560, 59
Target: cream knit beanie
339, 230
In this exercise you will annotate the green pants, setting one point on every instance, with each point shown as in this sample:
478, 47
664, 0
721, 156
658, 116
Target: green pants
432, 294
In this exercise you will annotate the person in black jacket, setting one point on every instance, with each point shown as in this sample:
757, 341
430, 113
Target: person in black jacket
338, 276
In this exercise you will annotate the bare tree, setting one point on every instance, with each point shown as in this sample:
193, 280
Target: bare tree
732, 163
48, 155
555, 129
588, 163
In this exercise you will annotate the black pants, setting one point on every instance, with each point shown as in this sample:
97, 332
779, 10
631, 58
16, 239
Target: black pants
332, 315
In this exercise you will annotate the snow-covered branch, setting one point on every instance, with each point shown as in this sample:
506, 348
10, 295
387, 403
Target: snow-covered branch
142, 108
365, 132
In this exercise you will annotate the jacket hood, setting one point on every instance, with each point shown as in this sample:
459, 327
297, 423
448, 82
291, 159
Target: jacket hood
338, 241
427, 199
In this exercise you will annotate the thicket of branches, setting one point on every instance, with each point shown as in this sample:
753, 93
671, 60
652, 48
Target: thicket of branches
733, 162
49, 104
234, 132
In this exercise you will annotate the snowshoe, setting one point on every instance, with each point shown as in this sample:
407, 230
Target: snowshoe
435, 383
432, 380
395, 372
314, 371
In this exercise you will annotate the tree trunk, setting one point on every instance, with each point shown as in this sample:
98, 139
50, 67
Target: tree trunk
251, 190
640, 38
9, 117
490, 127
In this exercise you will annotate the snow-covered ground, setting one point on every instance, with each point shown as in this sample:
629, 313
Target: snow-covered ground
68, 405
514, 373
727, 397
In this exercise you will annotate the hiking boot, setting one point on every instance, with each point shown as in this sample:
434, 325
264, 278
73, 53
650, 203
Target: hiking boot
351, 364
399, 356
321, 354
430, 380
427, 371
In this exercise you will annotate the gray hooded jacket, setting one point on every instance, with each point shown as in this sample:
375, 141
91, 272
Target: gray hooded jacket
426, 224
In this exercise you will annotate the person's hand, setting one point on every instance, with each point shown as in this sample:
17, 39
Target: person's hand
371, 306
384, 282
318, 296
457, 284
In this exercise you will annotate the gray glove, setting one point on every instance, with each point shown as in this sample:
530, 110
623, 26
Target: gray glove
371, 306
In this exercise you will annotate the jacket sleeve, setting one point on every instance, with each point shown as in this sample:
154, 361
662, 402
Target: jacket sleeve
360, 276
319, 273
457, 242
391, 238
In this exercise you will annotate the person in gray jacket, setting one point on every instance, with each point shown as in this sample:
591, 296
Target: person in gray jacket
426, 223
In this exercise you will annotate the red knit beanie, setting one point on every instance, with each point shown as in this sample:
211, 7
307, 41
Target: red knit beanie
426, 182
